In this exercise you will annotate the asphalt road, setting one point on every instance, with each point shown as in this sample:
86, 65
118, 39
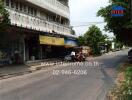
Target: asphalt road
84, 81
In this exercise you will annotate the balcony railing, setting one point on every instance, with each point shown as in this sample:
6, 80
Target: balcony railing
34, 23
53, 6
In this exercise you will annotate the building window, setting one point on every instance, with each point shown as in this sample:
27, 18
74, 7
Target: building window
35, 12
17, 6
21, 6
7, 3
32, 11
12, 4
29, 10
25, 8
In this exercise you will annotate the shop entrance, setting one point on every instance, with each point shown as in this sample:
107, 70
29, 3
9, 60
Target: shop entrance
32, 48
49, 51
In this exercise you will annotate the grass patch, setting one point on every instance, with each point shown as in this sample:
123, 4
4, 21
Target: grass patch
123, 88
123, 67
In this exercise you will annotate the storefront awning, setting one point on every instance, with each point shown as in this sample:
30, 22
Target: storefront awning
70, 43
51, 40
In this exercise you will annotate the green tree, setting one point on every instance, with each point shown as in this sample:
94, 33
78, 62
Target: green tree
118, 44
4, 21
4, 17
4, 24
93, 37
81, 41
120, 26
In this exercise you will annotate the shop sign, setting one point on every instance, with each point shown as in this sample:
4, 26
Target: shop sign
51, 40
71, 43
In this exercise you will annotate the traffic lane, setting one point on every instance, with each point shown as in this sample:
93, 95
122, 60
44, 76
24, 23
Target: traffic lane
114, 59
61, 87
111, 62
56, 87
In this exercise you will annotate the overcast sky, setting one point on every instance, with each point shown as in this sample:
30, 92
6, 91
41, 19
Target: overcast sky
83, 11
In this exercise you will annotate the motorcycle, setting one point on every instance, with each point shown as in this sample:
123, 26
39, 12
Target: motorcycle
69, 58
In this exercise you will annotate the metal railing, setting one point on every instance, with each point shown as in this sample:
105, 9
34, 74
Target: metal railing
31, 22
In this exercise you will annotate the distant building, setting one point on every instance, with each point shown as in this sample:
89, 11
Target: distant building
39, 28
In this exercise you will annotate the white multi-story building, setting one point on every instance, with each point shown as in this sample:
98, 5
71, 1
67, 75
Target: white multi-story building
41, 15
39, 28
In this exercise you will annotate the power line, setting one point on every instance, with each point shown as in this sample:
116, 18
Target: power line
87, 24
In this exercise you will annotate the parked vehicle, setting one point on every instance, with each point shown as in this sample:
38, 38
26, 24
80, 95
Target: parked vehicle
76, 58
130, 55
68, 58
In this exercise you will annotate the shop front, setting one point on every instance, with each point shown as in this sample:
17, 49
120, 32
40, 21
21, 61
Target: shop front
31, 46
18, 45
11, 43
52, 47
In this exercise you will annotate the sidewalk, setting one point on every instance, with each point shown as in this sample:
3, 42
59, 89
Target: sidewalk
29, 67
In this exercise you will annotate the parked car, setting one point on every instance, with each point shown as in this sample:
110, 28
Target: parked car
130, 55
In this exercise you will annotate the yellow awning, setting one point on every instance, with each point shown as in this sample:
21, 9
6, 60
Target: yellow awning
51, 40
69, 46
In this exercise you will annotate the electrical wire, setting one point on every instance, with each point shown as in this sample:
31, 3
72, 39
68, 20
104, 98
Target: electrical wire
82, 24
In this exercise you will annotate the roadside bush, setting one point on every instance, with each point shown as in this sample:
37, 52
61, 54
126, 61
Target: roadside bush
123, 90
128, 82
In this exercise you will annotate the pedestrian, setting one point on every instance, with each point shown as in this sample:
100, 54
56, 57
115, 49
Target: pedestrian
73, 55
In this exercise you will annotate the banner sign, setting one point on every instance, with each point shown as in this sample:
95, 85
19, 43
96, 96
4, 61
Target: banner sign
71, 43
117, 11
51, 40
